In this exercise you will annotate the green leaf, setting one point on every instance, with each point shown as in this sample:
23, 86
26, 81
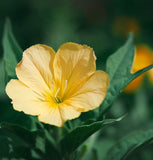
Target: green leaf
12, 55
118, 67
127, 145
76, 137
2, 79
17, 142
12, 51
8, 114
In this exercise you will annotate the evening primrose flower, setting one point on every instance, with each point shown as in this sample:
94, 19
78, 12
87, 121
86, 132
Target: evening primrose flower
57, 86
143, 58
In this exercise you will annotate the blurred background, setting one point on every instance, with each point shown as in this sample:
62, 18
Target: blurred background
103, 25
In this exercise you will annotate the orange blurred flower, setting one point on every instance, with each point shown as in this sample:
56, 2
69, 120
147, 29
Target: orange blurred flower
123, 25
143, 58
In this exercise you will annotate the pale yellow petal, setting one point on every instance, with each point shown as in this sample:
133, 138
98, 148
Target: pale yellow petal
53, 117
35, 69
68, 112
24, 99
91, 94
150, 75
72, 64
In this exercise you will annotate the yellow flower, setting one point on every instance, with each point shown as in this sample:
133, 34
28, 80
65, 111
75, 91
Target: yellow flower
57, 86
143, 58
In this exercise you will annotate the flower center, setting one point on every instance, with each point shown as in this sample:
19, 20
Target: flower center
58, 100
58, 97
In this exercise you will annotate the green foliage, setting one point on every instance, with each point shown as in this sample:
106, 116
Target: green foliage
12, 55
123, 148
12, 51
19, 143
2, 79
118, 67
80, 134
8, 114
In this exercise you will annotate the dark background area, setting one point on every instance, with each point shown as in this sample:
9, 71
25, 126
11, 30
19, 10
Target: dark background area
103, 25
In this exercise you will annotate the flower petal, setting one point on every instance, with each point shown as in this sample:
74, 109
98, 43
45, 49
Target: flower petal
35, 69
24, 99
134, 85
143, 58
72, 64
150, 74
68, 112
90, 95
53, 117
